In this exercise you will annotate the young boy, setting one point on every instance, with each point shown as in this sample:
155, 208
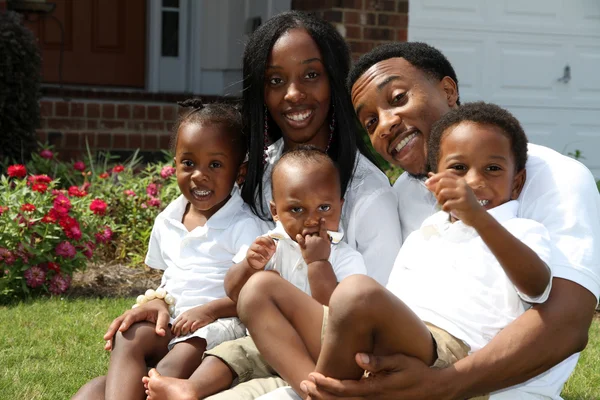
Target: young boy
469, 271
305, 249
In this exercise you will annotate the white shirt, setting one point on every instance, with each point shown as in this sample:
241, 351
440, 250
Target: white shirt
449, 277
369, 205
290, 264
195, 263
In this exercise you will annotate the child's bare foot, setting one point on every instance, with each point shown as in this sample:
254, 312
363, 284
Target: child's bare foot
160, 387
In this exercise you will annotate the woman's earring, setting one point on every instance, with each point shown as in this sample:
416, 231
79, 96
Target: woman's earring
331, 128
266, 135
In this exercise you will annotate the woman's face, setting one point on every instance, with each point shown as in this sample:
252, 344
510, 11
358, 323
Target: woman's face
297, 92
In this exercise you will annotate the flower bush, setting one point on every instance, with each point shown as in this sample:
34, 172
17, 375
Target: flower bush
56, 217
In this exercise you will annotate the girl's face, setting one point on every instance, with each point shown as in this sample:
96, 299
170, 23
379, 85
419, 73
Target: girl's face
297, 92
207, 165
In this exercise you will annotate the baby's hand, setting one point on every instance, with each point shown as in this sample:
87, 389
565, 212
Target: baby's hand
315, 247
455, 196
191, 320
260, 252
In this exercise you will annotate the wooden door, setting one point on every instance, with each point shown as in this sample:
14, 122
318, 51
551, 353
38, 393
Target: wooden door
104, 42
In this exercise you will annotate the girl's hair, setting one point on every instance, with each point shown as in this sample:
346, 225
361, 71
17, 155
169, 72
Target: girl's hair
226, 115
336, 60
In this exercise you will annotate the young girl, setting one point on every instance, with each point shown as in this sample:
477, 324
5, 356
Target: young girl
469, 271
194, 240
305, 249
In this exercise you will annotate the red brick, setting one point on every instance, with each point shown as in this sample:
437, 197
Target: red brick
381, 5
381, 34
56, 123
103, 141
154, 112
72, 139
355, 4
402, 7
139, 111
354, 32
47, 108
368, 19
124, 111
55, 139
92, 124
135, 126
119, 141
150, 142
332, 16
108, 110
169, 113
90, 138
108, 124
351, 17
41, 136
394, 20
154, 126
360, 47
164, 141
61, 109
135, 141
92, 110
401, 35
77, 109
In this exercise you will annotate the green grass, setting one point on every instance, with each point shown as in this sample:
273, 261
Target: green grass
49, 348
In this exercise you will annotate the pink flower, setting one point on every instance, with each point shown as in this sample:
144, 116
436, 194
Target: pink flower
33, 179
79, 166
70, 227
17, 171
75, 192
154, 202
65, 249
144, 205
129, 192
46, 154
103, 175
152, 190
2, 209
88, 249
62, 204
28, 207
167, 171
35, 277
59, 284
98, 207
39, 187
7, 256
105, 236
118, 168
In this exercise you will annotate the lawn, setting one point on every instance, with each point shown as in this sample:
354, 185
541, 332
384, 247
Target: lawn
51, 347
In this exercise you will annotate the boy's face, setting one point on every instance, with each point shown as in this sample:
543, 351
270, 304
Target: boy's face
482, 155
207, 165
304, 194
397, 104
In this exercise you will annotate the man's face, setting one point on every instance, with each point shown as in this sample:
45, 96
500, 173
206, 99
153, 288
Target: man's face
397, 104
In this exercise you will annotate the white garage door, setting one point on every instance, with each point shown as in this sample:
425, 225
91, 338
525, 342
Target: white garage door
538, 58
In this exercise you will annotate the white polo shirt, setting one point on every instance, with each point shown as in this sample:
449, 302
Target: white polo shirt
449, 277
290, 264
369, 206
195, 263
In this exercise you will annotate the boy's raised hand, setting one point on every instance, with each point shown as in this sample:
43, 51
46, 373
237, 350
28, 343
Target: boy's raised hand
260, 252
455, 196
192, 320
315, 247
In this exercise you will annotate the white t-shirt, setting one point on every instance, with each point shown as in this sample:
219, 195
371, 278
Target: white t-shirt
195, 263
369, 205
290, 264
449, 277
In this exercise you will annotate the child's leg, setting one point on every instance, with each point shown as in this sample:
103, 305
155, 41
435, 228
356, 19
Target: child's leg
183, 359
285, 324
364, 317
132, 351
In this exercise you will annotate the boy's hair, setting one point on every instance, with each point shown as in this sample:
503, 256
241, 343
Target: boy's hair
480, 113
304, 154
336, 61
420, 55
224, 114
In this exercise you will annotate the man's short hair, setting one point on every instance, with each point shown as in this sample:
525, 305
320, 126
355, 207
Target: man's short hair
480, 113
422, 56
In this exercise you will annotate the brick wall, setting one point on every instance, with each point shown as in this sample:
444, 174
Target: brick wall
118, 126
363, 23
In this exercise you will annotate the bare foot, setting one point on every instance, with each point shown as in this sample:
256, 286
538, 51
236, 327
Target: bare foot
160, 387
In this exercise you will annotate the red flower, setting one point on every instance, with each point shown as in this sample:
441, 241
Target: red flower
28, 207
105, 236
98, 207
33, 179
152, 189
88, 249
65, 249
53, 266
167, 171
103, 175
2, 209
70, 227
154, 202
51, 217
75, 192
17, 171
46, 154
39, 187
79, 166
118, 168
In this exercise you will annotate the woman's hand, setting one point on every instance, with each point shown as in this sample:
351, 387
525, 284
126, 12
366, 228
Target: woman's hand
391, 377
192, 320
155, 311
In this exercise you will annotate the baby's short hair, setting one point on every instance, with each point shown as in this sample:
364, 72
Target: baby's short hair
304, 154
480, 113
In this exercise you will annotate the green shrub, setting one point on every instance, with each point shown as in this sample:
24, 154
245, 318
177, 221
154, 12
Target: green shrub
19, 89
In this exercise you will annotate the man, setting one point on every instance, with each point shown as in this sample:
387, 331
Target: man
398, 91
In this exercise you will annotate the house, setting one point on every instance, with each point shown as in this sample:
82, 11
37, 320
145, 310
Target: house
125, 63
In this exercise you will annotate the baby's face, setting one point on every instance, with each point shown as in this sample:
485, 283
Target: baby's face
305, 194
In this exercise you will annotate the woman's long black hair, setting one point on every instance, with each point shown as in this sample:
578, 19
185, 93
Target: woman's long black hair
336, 59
